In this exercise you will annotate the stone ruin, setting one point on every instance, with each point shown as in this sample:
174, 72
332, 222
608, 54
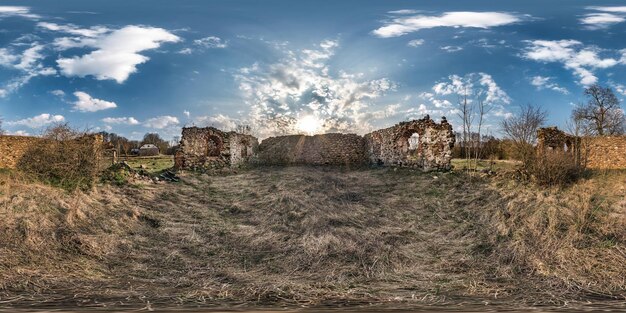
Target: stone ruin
419, 143
211, 148
551, 138
601, 152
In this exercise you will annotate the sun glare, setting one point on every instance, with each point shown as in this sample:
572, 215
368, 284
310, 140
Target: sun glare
309, 124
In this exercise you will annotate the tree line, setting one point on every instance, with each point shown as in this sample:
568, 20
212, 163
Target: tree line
600, 115
125, 146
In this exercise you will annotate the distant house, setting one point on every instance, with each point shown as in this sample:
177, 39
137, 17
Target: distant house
148, 150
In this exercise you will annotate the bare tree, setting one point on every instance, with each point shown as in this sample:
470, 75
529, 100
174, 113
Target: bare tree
602, 114
466, 114
1, 129
243, 129
522, 128
483, 109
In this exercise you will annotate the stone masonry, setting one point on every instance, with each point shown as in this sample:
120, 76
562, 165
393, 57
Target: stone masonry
419, 143
431, 148
326, 149
13, 148
211, 148
603, 152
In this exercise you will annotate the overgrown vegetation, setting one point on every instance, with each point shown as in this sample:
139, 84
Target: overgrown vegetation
65, 157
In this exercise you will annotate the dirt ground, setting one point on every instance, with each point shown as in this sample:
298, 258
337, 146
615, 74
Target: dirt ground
311, 237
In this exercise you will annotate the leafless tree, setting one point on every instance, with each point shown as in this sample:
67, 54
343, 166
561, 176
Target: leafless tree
466, 114
602, 114
483, 109
243, 129
522, 128
1, 129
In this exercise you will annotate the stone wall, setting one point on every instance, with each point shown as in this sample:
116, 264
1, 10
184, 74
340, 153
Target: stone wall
326, 149
13, 148
211, 148
606, 152
418, 143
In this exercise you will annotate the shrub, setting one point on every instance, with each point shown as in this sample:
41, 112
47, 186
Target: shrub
552, 168
65, 158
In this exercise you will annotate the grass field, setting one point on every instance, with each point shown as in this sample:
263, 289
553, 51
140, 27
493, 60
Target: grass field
314, 236
151, 164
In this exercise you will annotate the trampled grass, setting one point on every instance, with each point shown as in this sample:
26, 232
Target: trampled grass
314, 236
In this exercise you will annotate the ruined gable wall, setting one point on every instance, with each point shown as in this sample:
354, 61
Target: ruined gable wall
390, 146
210, 148
12, 148
605, 152
242, 148
326, 149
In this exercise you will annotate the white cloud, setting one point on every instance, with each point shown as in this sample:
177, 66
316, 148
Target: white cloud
581, 60
595, 21
619, 88
185, 51
211, 42
27, 62
19, 133
404, 12
404, 25
219, 121
85, 103
92, 32
187, 113
20, 11
58, 92
477, 86
301, 85
451, 48
542, 82
121, 120
415, 42
7, 59
161, 122
38, 121
117, 52
607, 17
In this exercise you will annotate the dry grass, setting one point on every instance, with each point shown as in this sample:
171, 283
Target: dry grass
307, 236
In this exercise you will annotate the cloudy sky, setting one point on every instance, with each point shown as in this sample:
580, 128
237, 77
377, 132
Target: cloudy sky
308, 66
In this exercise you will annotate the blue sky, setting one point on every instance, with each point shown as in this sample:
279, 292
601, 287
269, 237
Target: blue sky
133, 67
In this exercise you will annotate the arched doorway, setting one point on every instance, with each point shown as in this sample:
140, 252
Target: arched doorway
214, 146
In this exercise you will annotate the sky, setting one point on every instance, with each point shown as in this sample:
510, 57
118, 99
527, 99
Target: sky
351, 66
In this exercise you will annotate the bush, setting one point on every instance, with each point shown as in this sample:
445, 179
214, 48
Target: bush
553, 168
64, 157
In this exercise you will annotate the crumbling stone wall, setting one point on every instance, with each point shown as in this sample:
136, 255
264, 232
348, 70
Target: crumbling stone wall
554, 139
326, 149
418, 143
211, 148
606, 152
13, 148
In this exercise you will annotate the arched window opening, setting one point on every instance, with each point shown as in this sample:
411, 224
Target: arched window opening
214, 146
414, 141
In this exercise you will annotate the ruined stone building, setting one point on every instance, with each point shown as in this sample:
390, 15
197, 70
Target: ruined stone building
602, 152
211, 148
419, 143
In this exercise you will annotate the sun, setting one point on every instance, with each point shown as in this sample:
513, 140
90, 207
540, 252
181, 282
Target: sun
309, 124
